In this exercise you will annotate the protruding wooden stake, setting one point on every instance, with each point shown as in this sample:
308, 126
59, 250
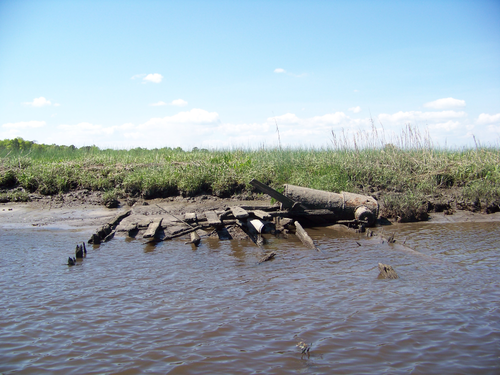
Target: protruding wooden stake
304, 237
386, 272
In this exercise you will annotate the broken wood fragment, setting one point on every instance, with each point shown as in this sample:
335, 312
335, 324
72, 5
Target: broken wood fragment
179, 234
212, 219
195, 239
190, 217
262, 214
118, 218
239, 213
267, 256
286, 202
386, 272
304, 237
153, 228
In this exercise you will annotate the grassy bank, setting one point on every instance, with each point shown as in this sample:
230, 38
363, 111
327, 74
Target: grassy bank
408, 179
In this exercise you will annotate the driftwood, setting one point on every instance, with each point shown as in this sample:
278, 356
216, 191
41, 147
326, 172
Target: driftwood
386, 272
267, 256
304, 237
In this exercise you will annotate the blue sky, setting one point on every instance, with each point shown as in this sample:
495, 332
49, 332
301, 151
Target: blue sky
222, 74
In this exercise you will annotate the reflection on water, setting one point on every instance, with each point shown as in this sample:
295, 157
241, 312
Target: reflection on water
172, 308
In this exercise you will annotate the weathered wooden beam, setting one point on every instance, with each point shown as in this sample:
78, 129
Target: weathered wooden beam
286, 202
212, 218
304, 237
195, 239
190, 217
118, 218
239, 213
262, 214
153, 228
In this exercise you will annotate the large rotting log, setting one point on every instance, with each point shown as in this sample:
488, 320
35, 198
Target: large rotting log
345, 206
304, 237
386, 272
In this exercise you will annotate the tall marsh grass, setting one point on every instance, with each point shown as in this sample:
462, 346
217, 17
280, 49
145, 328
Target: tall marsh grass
402, 171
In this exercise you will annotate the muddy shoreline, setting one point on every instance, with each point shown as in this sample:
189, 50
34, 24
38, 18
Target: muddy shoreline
84, 209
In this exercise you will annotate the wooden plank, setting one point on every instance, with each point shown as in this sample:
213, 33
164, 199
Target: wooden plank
212, 218
239, 213
304, 237
195, 239
153, 228
190, 217
262, 214
285, 201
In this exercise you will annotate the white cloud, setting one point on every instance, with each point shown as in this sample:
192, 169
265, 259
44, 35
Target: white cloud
154, 77
24, 124
160, 103
57, 105
447, 126
138, 76
179, 103
445, 103
485, 118
39, 102
416, 116
355, 109
279, 70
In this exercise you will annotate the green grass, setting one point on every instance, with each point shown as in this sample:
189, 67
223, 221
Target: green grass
405, 171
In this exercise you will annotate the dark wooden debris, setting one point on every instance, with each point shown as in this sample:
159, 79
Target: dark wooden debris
267, 256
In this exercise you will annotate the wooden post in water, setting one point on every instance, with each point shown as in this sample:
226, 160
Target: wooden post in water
386, 272
304, 237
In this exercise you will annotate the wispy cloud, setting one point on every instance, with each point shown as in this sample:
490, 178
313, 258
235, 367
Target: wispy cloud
176, 103
356, 109
24, 124
39, 102
445, 103
158, 104
281, 70
154, 77
179, 103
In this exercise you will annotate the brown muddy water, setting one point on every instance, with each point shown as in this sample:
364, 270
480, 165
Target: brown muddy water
129, 308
